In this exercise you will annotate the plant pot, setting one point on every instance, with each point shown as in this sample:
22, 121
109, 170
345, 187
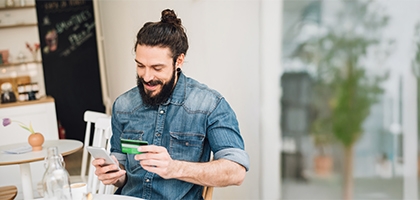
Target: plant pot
36, 140
323, 165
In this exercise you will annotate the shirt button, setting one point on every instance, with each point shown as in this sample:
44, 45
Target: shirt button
147, 180
161, 111
157, 134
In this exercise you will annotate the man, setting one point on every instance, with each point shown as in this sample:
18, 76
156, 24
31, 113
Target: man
182, 120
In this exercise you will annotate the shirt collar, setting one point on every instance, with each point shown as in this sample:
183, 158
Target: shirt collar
179, 93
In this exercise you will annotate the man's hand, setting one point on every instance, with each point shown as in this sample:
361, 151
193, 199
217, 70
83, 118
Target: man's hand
109, 174
156, 159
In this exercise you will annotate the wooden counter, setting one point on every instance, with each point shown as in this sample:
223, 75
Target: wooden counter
24, 103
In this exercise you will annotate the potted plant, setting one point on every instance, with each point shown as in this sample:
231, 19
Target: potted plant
338, 54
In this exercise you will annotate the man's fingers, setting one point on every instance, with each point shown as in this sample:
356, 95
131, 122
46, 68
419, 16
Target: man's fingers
115, 159
111, 178
151, 149
98, 162
151, 155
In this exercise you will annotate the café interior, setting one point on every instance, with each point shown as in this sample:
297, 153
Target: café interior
281, 65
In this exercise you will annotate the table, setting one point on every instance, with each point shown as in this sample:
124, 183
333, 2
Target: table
112, 197
109, 197
65, 147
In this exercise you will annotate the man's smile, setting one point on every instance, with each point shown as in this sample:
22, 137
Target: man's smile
150, 87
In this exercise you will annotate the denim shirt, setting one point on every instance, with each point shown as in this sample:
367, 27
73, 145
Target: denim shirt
194, 122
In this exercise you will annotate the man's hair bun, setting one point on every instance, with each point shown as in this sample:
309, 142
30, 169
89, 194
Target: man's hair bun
169, 16
168, 32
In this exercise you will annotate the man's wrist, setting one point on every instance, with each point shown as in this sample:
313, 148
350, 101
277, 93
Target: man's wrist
178, 169
121, 181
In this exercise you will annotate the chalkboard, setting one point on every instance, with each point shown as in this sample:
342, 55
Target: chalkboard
70, 61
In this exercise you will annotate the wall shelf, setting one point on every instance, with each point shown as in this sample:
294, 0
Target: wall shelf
20, 63
16, 7
17, 25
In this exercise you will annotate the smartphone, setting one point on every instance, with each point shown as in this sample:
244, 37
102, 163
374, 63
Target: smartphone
99, 152
130, 146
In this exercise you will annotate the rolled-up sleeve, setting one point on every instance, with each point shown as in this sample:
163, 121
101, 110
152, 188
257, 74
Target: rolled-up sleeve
224, 135
233, 154
120, 157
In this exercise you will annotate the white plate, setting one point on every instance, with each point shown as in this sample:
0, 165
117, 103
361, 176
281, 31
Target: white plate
19, 150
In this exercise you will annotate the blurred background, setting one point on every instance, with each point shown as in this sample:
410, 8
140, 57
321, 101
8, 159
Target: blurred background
349, 107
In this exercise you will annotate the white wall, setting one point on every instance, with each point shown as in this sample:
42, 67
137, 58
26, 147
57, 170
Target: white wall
270, 70
225, 53
403, 17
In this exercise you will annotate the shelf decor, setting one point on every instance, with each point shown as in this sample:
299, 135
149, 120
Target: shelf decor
34, 50
14, 64
4, 56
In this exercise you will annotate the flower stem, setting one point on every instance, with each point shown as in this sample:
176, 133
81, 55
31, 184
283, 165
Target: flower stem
30, 129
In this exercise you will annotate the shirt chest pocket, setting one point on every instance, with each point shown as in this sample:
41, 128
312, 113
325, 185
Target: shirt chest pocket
186, 146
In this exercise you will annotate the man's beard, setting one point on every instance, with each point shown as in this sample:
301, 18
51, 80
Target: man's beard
159, 98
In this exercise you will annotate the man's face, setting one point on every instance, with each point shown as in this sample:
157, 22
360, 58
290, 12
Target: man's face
155, 74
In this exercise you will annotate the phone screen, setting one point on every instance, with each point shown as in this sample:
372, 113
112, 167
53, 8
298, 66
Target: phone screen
98, 152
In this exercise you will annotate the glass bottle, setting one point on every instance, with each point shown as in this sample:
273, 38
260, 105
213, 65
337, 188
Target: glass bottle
56, 180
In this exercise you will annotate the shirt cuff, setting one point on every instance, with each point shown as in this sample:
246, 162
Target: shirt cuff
234, 154
121, 157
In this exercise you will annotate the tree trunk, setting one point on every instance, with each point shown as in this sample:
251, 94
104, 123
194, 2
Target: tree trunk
348, 173
418, 123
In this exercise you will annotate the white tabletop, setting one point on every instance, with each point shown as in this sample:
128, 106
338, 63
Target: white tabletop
65, 147
109, 197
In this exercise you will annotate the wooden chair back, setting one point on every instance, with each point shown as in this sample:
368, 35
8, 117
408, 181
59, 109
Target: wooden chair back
208, 193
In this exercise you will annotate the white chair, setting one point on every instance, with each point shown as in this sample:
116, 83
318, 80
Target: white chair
101, 138
90, 118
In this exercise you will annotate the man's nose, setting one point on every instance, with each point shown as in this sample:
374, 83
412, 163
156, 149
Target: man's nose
148, 75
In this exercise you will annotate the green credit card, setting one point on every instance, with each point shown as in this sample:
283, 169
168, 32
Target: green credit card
130, 146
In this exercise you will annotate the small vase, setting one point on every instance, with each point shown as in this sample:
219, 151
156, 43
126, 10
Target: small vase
36, 140
35, 56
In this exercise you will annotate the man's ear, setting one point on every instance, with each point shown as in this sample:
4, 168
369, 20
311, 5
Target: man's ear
180, 61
